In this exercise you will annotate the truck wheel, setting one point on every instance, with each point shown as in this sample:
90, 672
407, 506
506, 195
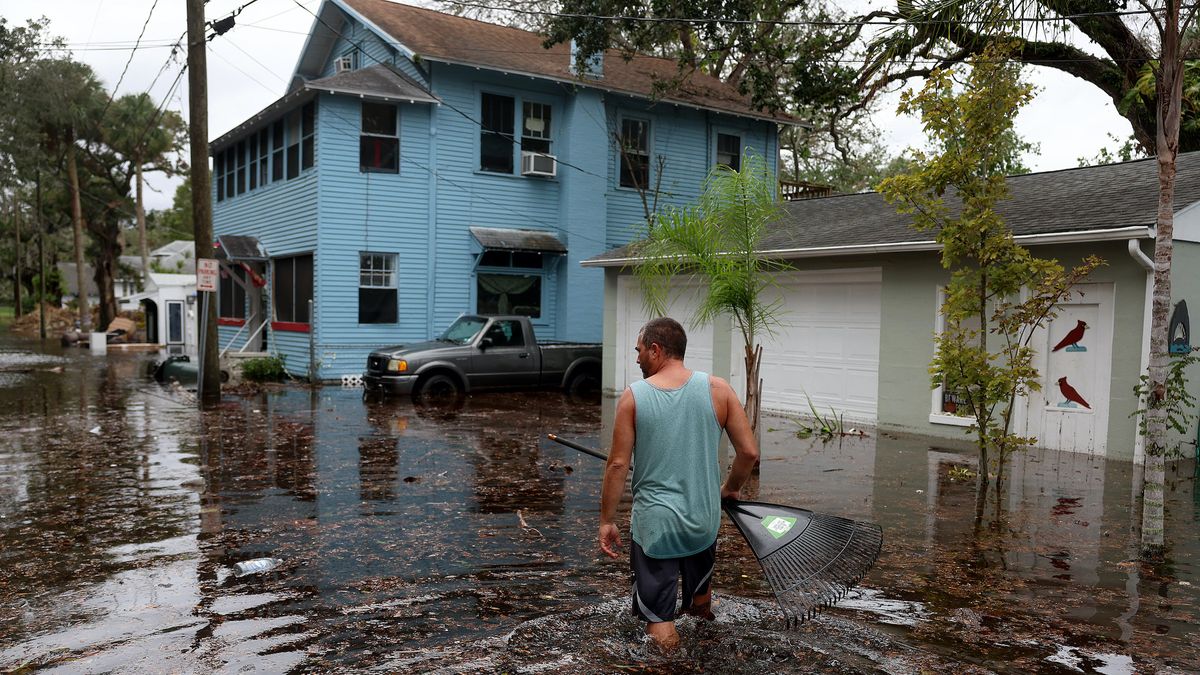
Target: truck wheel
583, 383
439, 388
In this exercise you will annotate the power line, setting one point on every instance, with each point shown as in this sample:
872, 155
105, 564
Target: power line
128, 61
844, 23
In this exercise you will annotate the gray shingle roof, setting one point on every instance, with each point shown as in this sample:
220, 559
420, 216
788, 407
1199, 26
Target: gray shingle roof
1092, 201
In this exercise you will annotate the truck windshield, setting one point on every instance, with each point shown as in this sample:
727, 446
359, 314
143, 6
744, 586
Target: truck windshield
463, 330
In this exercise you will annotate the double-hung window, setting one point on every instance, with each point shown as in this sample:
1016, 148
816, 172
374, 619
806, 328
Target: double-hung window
535, 127
293, 288
496, 136
635, 153
293, 145
230, 170
219, 174
241, 166
277, 150
252, 175
729, 151
379, 144
308, 133
377, 288
264, 155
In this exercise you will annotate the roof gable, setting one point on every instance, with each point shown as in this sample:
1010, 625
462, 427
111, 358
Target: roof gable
425, 34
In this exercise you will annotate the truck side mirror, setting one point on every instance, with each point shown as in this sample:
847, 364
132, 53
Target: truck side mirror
486, 343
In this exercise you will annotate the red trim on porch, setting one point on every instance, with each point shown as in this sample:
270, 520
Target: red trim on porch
290, 326
224, 321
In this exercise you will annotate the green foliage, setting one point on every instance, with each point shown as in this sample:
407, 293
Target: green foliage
717, 242
264, 369
999, 294
826, 426
1178, 403
1124, 151
167, 225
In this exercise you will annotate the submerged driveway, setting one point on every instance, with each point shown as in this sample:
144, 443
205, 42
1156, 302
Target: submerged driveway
409, 539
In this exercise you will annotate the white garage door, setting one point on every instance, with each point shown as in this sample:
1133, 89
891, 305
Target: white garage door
632, 315
827, 346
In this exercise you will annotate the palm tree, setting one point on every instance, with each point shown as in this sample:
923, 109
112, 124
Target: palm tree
61, 100
146, 138
717, 242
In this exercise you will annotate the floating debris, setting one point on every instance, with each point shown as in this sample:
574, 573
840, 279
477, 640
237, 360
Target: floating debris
256, 566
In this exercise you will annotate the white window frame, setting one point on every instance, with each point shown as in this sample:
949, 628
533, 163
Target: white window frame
386, 276
718, 133
546, 133
648, 154
936, 416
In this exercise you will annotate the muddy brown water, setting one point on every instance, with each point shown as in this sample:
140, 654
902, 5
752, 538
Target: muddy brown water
458, 540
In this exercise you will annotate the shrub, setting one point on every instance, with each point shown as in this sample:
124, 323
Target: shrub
264, 369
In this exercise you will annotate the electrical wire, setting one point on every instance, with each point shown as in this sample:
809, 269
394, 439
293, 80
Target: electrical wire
112, 94
845, 23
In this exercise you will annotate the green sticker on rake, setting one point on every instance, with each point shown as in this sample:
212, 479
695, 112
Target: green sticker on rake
778, 525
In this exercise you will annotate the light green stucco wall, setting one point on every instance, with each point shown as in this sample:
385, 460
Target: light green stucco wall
1185, 285
907, 322
909, 313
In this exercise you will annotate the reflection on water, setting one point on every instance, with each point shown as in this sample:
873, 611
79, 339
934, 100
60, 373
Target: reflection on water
459, 540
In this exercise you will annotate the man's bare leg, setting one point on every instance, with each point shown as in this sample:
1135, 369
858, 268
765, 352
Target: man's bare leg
664, 634
702, 606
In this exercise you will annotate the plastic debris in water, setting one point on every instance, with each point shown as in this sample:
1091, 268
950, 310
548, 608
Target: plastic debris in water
256, 566
95, 430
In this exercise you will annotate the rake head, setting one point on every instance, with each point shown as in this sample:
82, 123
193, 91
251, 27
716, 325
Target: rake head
811, 560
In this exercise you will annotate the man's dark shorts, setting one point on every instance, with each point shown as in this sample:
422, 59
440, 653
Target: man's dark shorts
654, 581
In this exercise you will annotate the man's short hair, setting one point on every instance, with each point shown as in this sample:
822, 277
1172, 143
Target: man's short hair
667, 333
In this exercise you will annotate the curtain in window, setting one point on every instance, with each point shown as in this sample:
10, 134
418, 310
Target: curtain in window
504, 285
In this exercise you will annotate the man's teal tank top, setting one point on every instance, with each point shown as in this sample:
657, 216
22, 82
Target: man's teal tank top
676, 474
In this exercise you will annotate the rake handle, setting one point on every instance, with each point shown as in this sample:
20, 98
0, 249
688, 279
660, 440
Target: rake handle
725, 503
576, 446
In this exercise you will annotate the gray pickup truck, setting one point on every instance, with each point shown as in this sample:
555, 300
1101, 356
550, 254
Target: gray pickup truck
483, 352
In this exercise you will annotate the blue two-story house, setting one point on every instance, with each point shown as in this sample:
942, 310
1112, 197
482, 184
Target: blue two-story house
423, 165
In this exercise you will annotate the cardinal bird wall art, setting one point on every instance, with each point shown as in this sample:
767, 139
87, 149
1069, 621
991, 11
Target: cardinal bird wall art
1070, 394
1071, 341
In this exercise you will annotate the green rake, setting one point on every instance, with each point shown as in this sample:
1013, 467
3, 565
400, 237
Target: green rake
811, 560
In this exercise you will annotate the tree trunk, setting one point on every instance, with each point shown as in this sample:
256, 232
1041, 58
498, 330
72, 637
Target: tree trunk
753, 405
17, 281
85, 317
1170, 93
105, 276
141, 224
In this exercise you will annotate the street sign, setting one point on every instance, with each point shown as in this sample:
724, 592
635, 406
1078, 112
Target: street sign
206, 274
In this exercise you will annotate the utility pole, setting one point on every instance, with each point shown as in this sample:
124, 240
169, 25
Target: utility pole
210, 375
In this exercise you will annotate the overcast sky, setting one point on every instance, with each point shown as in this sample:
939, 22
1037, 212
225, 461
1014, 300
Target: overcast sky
249, 67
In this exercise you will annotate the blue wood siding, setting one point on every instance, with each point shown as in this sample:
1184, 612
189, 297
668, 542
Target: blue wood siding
424, 212
372, 50
283, 216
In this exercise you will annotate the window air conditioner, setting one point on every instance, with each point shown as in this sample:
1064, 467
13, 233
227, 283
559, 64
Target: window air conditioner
343, 64
537, 164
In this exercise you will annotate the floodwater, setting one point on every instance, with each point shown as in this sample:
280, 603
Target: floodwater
458, 540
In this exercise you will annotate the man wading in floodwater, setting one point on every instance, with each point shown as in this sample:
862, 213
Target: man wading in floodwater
669, 425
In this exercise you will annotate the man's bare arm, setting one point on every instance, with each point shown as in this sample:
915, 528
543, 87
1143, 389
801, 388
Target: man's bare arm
615, 471
737, 426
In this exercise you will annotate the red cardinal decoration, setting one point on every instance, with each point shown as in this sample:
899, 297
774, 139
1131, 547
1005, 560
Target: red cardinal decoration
1073, 337
1069, 392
